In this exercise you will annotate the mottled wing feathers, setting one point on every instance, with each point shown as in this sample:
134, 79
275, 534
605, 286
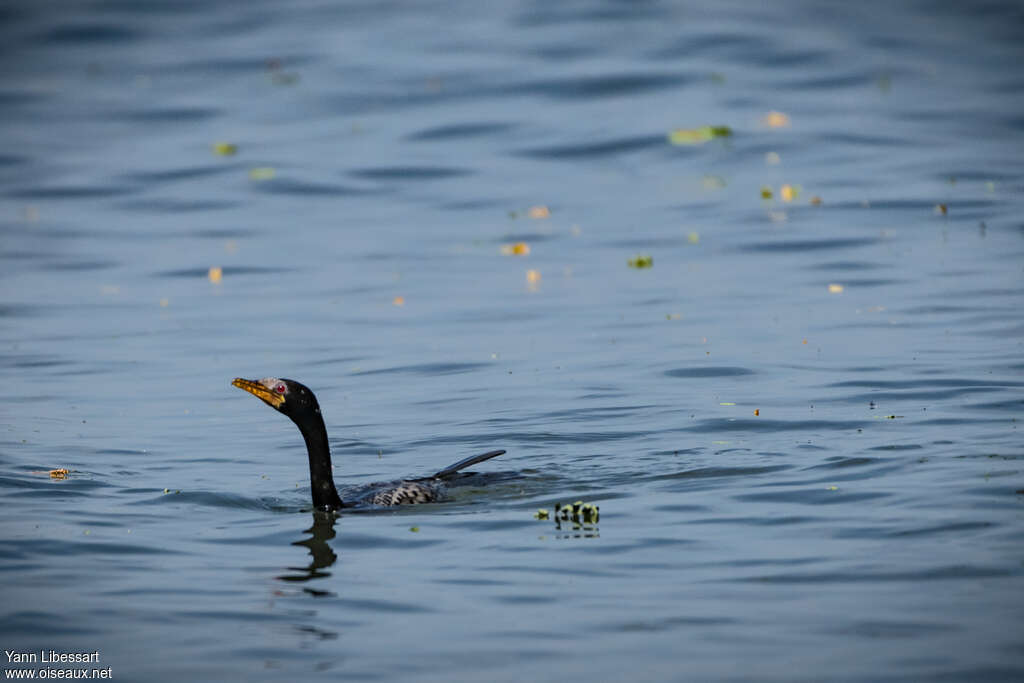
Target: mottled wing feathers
405, 493
422, 490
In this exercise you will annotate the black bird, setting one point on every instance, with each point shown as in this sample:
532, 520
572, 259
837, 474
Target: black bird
298, 402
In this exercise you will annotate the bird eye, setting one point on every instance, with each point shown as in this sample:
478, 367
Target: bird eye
280, 388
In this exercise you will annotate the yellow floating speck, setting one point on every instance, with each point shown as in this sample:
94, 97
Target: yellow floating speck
517, 249
726, 403
835, 288
789, 192
775, 119
641, 261
261, 173
533, 276
538, 212
224, 149
757, 412
215, 274
398, 301
833, 488
693, 237
698, 136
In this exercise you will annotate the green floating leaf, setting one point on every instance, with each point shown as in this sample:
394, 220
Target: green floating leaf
224, 149
261, 173
698, 136
641, 261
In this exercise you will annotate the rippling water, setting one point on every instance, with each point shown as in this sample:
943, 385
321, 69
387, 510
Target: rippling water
801, 424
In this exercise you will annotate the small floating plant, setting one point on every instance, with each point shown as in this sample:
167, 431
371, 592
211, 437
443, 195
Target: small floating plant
578, 513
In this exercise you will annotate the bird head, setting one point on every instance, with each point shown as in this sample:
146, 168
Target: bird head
283, 395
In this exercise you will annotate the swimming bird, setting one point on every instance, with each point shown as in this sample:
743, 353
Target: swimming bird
298, 402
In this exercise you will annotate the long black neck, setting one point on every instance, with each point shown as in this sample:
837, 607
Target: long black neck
321, 481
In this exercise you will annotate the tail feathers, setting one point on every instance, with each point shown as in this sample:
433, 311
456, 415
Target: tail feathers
463, 464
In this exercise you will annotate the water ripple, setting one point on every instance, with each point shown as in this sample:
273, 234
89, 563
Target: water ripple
410, 173
426, 369
797, 246
459, 131
595, 149
723, 371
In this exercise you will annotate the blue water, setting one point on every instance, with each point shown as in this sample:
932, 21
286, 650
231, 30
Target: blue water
801, 424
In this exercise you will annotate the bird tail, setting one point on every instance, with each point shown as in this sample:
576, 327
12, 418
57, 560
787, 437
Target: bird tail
463, 464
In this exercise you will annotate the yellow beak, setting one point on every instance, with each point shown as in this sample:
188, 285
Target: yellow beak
259, 391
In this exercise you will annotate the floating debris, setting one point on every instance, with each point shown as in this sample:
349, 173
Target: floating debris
835, 288
757, 412
215, 274
278, 76
533, 277
693, 237
775, 119
225, 149
641, 261
398, 301
59, 473
414, 529
789, 192
517, 249
815, 200
698, 136
941, 209
539, 212
262, 173
712, 182
766, 192
578, 512
541, 513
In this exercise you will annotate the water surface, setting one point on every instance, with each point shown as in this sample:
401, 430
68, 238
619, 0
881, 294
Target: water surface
801, 424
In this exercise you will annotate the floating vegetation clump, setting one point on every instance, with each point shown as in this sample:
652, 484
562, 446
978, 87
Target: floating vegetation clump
578, 512
262, 173
641, 261
517, 249
698, 136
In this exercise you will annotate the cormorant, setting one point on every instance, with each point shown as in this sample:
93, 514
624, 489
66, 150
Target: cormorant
298, 402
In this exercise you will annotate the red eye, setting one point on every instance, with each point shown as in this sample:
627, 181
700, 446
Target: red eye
280, 388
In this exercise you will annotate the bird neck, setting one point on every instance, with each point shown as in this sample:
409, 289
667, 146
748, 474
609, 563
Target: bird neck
321, 480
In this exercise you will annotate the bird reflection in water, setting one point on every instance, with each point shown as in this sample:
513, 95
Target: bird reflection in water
323, 555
